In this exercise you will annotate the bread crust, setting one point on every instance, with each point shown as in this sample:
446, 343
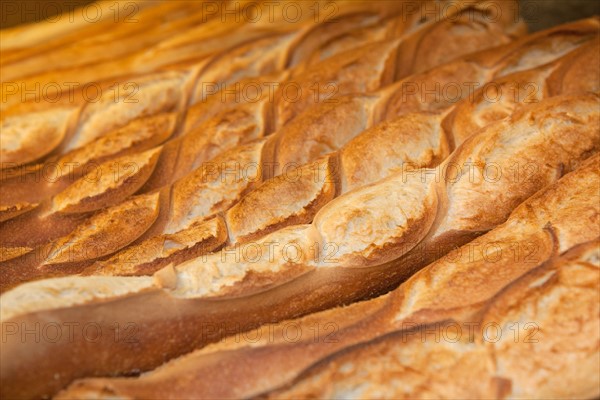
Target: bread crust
241, 213
219, 134
383, 337
185, 295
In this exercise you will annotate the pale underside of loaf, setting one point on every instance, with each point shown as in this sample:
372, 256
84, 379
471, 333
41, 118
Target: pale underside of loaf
199, 210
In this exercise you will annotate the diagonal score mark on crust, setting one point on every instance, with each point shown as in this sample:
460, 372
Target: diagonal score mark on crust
124, 174
106, 228
28, 137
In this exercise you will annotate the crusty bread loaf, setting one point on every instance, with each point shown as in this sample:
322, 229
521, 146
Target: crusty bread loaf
381, 234
32, 53
401, 345
155, 167
549, 318
252, 57
218, 184
151, 254
148, 37
203, 210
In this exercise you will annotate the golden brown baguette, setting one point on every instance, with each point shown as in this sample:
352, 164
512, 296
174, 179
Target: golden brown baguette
574, 73
537, 339
280, 48
134, 123
302, 191
197, 30
73, 132
74, 38
201, 30
416, 140
293, 271
331, 353
398, 220
17, 40
286, 139
148, 164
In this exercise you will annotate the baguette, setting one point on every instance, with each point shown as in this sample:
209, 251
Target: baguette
150, 168
213, 70
241, 288
30, 49
380, 216
553, 311
357, 350
201, 35
308, 191
148, 87
164, 171
196, 32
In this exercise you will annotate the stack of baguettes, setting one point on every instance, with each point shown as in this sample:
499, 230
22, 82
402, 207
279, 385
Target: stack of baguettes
347, 199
